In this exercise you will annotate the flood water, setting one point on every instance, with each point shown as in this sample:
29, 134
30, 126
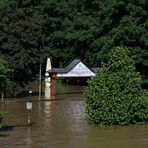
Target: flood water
60, 123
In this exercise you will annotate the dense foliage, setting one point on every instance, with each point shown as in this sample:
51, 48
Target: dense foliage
65, 30
2, 114
115, 95
3, 74
19, 40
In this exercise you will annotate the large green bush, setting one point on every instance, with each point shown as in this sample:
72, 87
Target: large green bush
114, 95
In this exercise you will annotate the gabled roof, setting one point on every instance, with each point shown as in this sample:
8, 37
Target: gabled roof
58, 70
73, 64
94, 69
69, 67
65, 70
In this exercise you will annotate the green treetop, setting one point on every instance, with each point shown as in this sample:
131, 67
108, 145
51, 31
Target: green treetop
3, 73
115, 95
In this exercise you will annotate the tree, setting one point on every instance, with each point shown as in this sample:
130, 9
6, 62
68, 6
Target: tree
3, 73
115, 95
2, 114
20, 41
89, 29
123, 23
72, 29
68, 32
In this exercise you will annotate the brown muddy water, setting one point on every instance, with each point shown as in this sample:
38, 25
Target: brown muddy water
60, 123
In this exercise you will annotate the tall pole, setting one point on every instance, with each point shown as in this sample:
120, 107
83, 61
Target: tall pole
40, 80
40, 46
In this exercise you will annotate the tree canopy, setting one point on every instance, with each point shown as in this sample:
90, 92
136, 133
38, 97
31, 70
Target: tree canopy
3, 73
65, 30
20, 40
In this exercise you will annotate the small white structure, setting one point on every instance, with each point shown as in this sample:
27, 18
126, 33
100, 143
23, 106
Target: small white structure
75, 69
78, 70
47, 80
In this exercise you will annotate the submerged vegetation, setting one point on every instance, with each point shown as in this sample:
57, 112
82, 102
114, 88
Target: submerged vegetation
115, 95
2, 114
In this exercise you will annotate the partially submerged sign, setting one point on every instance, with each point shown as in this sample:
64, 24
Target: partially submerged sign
29, 105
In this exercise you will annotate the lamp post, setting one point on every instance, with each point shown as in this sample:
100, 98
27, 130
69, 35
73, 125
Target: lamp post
40, 47
40, 80
29, 106
30, 92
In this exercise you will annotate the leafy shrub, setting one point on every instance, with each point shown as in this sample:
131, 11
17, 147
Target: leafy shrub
114, 95
2, 114
12, 89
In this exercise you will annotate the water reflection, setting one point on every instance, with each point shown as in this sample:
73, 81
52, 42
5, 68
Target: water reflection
28, 139
47, 93
60, 123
